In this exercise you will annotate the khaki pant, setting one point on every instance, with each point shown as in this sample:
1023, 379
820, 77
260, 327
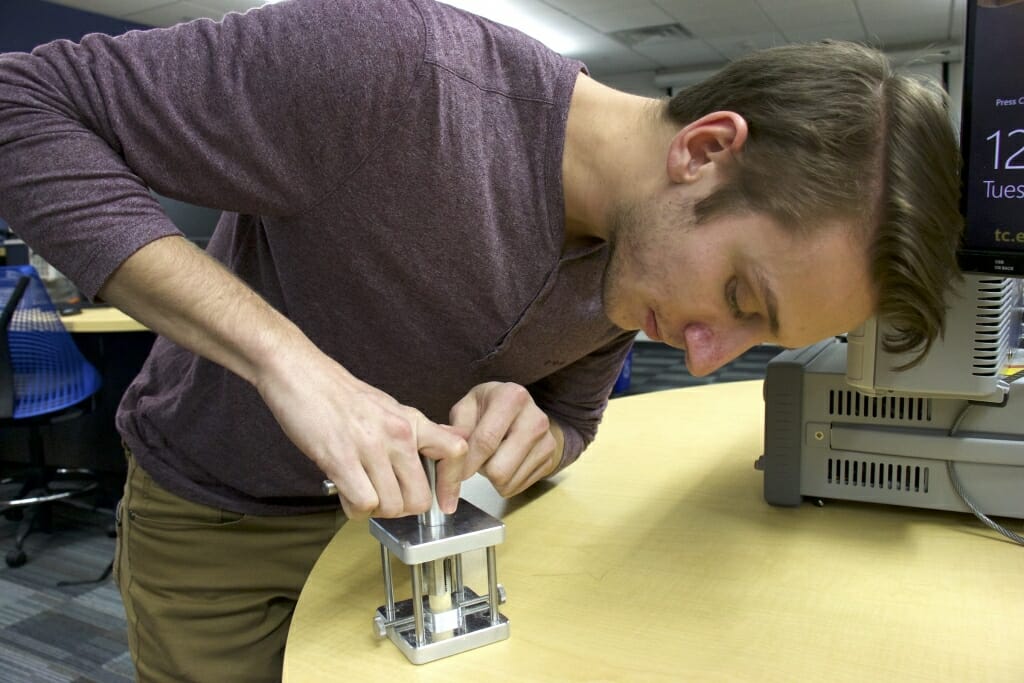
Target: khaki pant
208, 593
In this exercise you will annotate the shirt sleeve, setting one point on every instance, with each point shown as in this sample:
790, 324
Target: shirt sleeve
263, 113
577, 395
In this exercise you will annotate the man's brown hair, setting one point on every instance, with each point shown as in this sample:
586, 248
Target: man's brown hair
834, 133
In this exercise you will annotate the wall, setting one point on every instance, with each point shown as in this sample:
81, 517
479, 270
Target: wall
24, 24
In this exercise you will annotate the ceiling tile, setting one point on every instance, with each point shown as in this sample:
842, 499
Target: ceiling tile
643, 14
680, 53
584, 7
736, 46
801, 14
695, 10
845, 31
881, 11
902, 22
896, 32
604, 55
724, 26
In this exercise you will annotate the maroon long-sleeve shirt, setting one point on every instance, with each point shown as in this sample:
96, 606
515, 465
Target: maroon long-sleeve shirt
390, 172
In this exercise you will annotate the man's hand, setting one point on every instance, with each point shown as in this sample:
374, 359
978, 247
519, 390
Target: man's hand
364, 440
512, 442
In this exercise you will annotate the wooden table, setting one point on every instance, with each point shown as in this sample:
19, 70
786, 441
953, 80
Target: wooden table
101, 319
655, 558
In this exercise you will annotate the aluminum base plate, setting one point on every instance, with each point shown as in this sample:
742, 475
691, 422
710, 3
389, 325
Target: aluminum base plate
479, 631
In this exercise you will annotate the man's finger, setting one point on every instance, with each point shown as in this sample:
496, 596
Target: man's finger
490, 432
358, 497
387, 480
412, 481
449, 449
439, 442
449, 483
463, 414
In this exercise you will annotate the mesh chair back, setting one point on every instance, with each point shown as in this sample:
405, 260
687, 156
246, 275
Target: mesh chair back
49, 372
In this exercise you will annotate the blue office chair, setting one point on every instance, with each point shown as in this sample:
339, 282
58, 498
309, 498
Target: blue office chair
43, 379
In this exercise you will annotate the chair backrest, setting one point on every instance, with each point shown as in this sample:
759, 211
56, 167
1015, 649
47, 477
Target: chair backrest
45, 372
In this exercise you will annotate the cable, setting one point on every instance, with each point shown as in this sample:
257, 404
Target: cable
959, 487
987, 521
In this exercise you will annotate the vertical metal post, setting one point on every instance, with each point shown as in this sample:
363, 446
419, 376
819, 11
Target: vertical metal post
438, 582
492, 584
459, 585
454, 590
417, 604
389, 588
434, 516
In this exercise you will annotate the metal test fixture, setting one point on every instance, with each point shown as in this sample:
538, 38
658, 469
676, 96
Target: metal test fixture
443, 617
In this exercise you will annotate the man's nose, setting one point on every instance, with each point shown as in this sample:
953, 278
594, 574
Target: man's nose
708, 348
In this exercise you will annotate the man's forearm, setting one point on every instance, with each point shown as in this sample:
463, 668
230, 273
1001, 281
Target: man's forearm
178, 291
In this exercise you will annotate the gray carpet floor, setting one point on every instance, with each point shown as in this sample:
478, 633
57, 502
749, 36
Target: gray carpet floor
52, 633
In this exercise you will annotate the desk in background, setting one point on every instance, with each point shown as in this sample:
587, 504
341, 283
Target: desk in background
101, 319
655, 558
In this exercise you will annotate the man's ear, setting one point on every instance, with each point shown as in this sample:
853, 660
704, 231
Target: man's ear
711, 138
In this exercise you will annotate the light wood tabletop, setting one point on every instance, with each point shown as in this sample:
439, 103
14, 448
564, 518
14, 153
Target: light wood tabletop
655, 558
101, 319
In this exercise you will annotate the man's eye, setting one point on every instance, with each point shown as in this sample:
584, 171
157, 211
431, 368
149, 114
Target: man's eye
730, 297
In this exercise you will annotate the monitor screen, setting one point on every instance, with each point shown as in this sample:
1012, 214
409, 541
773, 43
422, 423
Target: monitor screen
992, 138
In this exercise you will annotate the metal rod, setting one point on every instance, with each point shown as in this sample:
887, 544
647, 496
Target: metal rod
434, 516
417, 604
492, 584
449, 571
389, 589
438, 583
455, 598
459, 586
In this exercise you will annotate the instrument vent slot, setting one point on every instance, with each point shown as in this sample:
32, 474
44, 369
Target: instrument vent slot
877, 475
996, 325
848, 403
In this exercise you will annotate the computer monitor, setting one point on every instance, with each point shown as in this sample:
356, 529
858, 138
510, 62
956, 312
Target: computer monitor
992, 139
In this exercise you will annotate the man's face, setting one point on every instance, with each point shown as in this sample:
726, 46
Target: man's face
717, 289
